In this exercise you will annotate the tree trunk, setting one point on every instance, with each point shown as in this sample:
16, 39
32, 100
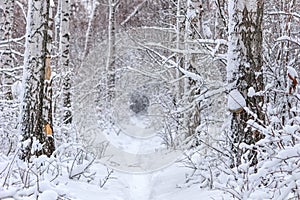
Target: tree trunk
110, 65
33, 126
64, 59
6, 57
244, 70
192, 117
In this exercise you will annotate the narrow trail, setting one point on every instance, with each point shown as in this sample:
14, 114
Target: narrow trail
140, 186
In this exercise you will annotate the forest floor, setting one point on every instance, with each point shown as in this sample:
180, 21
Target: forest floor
166, 184
169, 183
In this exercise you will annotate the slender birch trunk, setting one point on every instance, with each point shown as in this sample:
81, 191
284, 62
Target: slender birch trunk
192, 117
6, 56
64, 60
111, 56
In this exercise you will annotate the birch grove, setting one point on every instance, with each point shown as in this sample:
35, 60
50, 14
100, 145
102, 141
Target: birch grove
216, 81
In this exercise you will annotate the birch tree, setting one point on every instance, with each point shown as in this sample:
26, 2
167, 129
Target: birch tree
8, 101
244, 74
34, 128
65, 115
6, 56
64, 60
110, 63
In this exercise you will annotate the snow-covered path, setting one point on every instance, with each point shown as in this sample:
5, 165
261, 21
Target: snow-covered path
140, 187
167, 184
144, 170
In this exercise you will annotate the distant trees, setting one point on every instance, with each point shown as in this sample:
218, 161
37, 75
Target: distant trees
8, 97
6, 31
111, 56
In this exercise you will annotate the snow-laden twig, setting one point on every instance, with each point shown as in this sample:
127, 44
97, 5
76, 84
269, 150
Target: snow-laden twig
78, 166
175, 50
294, 14
106, 178
135, 11
9, 168
12, 40
289, 39
22, 8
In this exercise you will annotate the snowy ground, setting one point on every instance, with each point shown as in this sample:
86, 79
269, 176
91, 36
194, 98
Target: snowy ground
161, 178
166, 184
167, 181
137, 140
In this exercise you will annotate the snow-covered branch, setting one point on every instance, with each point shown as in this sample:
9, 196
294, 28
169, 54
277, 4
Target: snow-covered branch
175, 50
297, 15
135, 11
12, 40
289, 39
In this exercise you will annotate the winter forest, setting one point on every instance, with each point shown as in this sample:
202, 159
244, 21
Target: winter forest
149, 99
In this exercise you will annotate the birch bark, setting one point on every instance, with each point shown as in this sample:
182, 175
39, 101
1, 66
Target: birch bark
36, 51
110, 64
244, 70
6, 57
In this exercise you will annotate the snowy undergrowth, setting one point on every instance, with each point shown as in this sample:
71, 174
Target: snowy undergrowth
276, 176
43, 177
71, 173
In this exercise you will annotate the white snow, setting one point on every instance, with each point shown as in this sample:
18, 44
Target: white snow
48, 195
236, 100
291, 129
251, 92
16, 90
292, 72
161, 185
206, 30
52, 4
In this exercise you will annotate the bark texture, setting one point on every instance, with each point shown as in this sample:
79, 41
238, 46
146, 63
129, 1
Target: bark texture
33, 124
6, 56
64, 60
111, 57
244, 70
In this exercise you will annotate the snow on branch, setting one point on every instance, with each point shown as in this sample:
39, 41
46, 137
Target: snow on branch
175, 50
158, 28
287, 38
170, 63
15, 40
12, 51
210, 93
210, 41
191, 75
284, 13
137, 8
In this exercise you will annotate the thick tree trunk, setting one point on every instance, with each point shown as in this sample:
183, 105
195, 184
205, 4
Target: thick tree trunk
33, 126
244, 71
